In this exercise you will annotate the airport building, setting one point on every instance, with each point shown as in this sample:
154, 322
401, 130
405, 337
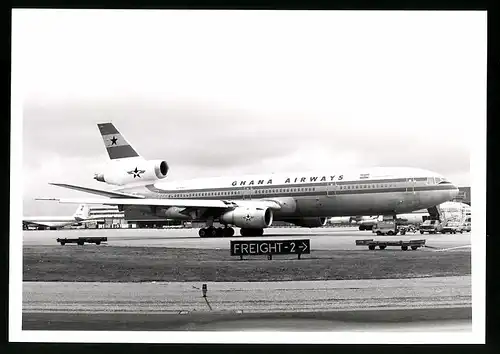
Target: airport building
105, 217
463, 195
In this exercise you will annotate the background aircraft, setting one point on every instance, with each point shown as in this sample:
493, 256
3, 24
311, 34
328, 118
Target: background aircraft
450, 211
80, 216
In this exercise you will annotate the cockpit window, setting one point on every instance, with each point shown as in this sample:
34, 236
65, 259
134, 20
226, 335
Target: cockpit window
441, 180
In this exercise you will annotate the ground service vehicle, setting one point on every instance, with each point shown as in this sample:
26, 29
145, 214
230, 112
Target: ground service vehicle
431, 226
413, 244
452, 228
387, 227
81, 240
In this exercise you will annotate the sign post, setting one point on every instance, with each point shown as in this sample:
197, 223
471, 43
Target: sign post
269, 247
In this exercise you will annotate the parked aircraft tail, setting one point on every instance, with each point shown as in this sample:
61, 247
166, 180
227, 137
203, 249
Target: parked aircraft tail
82, 212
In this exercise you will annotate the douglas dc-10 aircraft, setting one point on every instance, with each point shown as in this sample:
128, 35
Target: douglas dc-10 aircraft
53, 222
252, 202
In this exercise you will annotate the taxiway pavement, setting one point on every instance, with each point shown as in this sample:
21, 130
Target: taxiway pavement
307, 305
335, 238
246, 296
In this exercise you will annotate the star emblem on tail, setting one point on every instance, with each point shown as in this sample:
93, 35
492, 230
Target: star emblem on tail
136, 172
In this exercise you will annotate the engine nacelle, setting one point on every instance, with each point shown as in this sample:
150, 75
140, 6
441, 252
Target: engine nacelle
308, 221
248, 217
124, 172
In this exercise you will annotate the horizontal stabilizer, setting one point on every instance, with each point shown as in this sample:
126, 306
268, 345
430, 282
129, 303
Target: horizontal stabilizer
104, 193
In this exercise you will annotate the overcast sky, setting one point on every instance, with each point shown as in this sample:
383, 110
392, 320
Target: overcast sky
237, 92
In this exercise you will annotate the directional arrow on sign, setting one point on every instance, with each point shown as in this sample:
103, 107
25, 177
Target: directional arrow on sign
304, 246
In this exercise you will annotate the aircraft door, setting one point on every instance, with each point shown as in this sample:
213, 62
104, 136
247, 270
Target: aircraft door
247, 193
410, 185
411, 197
331, 189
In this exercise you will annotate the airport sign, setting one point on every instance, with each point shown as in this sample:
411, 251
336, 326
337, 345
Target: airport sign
269, 247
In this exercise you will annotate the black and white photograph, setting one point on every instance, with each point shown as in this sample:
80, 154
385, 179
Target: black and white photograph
203, 176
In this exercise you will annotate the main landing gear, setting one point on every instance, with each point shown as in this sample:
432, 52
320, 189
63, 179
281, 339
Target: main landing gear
252, 232
216, 232
227, 232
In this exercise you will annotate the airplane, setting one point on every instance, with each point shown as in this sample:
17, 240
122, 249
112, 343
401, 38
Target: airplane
54, 222
349, 219
338, 220
449, 210
252, 202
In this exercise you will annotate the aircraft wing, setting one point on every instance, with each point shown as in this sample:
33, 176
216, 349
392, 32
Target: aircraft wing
170, 202
104, 193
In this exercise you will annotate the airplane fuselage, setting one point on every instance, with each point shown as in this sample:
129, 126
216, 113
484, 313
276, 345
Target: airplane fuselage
50, 221
367, 192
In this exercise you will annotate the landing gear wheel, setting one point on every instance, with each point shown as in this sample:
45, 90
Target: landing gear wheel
251, 232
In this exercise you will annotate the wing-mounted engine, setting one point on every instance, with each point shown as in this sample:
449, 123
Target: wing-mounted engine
248, 217
308, 221
133, 172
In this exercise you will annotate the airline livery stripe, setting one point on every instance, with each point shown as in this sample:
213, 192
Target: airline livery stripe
120, 152
321, 190
114, 140
331, 186
107, 128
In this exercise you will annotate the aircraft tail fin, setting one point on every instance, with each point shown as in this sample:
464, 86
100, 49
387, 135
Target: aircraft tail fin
82, 212
116, 144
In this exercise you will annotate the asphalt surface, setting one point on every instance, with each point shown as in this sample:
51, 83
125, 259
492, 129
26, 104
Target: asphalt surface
182, 306
246, 296
337, 238
457, 319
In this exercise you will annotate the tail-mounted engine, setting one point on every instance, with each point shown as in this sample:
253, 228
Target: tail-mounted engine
121, 173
